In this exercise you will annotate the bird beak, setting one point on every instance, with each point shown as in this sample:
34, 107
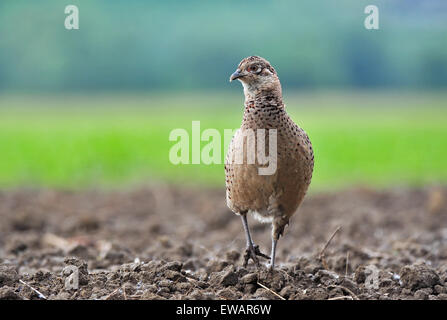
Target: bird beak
236, 75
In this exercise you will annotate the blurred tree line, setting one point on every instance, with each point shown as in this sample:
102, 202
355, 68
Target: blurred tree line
165, 45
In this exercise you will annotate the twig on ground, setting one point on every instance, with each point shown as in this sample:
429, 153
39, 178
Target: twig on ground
353, 295
347, 264
329, 241
271, 291
39, 294
112, 293
341, 298
321, 256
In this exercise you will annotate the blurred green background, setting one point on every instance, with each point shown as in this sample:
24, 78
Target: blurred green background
94, 107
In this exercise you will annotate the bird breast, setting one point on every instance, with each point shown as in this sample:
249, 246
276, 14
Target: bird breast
281, 192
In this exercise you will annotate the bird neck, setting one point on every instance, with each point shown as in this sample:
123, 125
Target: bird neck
264, 100
263, 93
262, 108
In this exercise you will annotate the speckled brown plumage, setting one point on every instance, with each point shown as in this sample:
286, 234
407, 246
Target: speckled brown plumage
271, 198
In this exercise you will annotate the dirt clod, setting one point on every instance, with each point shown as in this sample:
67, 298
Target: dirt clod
249, 278
7, 293
418, 276
229, 278
8, 275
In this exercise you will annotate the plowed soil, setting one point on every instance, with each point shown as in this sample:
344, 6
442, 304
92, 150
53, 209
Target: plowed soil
166, 242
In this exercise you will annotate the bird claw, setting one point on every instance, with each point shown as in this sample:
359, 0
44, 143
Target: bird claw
253, 252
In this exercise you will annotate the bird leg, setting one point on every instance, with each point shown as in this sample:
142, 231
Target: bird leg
277, 231
273, 254
252, 250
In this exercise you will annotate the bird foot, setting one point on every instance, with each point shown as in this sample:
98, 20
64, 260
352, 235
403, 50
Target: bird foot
252, 252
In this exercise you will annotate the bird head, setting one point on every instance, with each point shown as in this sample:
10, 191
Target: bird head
256, 74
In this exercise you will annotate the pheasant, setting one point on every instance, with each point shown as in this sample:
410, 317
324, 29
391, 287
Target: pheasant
271, 198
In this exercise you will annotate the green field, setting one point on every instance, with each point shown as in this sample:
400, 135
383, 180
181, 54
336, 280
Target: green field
115, 141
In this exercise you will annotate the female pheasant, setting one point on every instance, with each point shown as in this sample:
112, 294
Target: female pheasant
270, 197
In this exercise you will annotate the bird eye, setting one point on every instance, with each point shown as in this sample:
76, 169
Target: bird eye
252, 68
